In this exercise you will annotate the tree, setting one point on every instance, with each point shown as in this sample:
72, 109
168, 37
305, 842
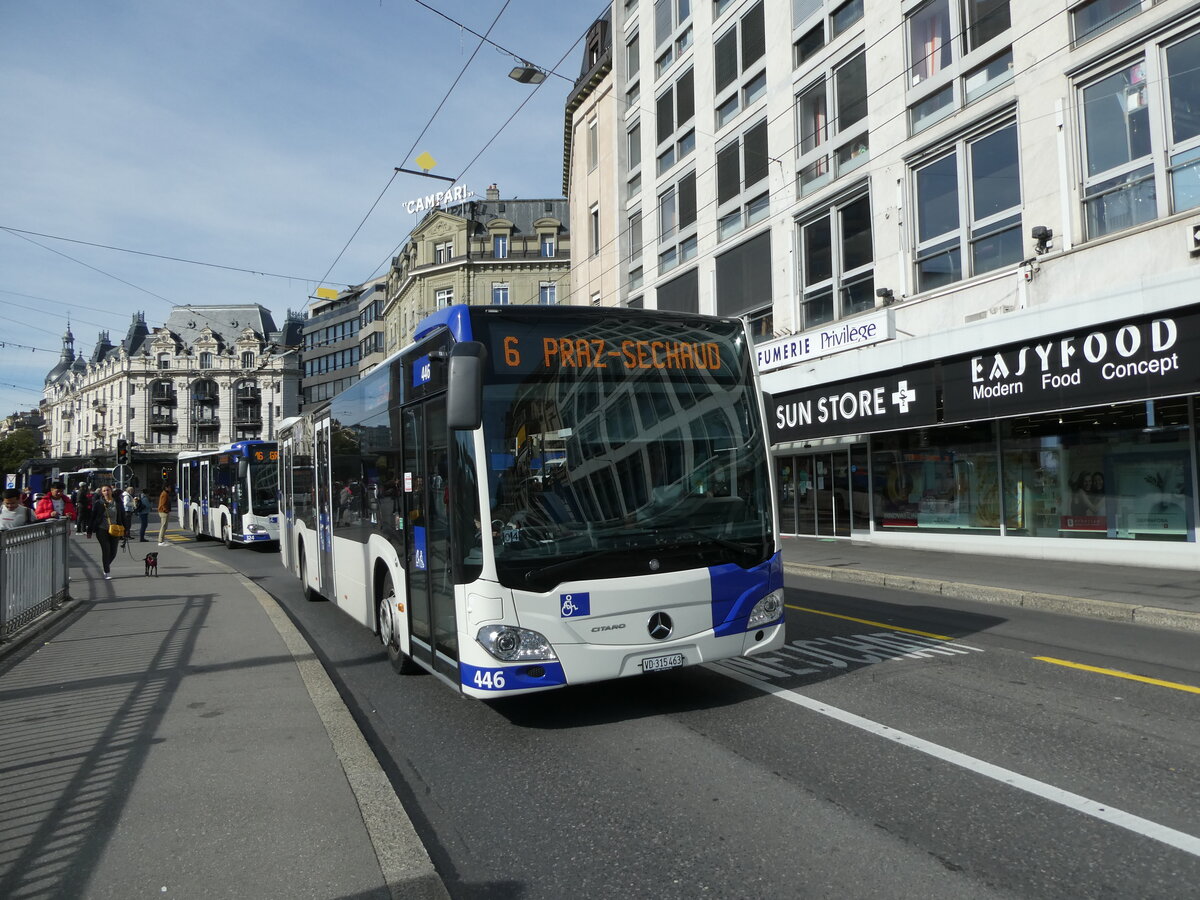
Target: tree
16, 448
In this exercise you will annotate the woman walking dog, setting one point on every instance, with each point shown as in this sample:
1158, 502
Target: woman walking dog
110, 524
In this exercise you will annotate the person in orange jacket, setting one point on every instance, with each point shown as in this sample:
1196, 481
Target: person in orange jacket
55, 505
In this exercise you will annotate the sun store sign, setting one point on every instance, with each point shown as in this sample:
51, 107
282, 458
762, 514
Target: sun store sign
883, 402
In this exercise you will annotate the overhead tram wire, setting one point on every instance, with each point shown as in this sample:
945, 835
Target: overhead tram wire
193, 262
498, 131
396, 172
93, 268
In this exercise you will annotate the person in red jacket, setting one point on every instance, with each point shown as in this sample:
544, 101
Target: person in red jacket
55, 505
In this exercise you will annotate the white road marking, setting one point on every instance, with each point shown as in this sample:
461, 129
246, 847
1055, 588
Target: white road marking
1181, 841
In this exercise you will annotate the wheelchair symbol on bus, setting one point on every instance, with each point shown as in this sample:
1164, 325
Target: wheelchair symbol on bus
575, 605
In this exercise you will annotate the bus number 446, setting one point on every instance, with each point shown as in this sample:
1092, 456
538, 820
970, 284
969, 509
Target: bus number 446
489, 680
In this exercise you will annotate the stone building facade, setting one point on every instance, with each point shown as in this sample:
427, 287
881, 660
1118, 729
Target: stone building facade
210, 375
490, 251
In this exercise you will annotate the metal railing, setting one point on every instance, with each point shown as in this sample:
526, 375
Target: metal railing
33, 572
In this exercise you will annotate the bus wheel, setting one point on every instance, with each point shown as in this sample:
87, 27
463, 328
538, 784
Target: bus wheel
227, 536
309, 594
400, 660
200, 536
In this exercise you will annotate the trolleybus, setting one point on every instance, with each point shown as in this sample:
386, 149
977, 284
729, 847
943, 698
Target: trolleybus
231, 493
529, 497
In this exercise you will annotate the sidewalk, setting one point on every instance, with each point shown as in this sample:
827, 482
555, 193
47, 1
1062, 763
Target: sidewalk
1167, 598
175, 737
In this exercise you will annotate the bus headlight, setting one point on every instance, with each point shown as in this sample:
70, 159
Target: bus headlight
767, 610
511, 644
254, 529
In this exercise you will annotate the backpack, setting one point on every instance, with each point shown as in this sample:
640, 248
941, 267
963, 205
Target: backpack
139, 505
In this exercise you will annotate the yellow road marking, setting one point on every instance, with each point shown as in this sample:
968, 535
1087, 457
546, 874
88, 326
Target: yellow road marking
1116, 673
821, 612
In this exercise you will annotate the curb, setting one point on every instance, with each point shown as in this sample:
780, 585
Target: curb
407, 869
1156, 616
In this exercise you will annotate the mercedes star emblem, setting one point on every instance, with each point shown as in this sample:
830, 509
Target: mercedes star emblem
660, 626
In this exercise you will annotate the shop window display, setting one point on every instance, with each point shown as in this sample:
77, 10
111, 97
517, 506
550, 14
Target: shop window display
937, 479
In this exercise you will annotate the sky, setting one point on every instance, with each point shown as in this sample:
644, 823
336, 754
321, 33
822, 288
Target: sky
252, 138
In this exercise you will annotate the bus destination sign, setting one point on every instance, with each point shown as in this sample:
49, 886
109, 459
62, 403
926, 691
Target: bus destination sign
568, 354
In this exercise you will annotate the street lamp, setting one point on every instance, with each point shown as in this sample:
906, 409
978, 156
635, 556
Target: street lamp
527, 73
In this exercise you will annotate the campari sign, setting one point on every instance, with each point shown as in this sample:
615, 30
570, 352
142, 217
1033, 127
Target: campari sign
1135, 359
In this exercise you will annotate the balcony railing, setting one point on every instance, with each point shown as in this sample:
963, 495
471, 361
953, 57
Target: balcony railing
249, 394
167, 398
248, 418
163, 420
204, 416
204, 396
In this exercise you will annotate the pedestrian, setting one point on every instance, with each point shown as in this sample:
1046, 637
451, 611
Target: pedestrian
164, 508
129, 499
55, 505
141, 506
13, 513
83, 506
108, 515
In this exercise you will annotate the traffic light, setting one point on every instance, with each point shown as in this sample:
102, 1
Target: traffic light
166, 474
122, 452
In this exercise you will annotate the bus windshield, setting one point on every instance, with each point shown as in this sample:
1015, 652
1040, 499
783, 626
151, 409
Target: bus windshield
264, 485
653, 461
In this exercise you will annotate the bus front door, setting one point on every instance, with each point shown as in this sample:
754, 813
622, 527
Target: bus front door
201, 524
324, 511
432, 621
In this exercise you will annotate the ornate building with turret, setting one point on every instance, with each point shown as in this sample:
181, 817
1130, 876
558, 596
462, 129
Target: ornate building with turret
210, 375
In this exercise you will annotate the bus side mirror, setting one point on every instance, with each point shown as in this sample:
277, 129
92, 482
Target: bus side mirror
464, 397
243, 468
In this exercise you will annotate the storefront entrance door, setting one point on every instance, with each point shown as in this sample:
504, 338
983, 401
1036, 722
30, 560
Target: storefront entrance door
814, 494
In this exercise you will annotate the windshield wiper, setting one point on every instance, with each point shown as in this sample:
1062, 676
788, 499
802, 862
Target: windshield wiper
752, 550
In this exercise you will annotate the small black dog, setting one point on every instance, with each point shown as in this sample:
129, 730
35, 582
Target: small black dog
152, 564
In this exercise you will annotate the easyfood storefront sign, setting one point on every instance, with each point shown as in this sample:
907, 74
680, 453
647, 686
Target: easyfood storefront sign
1136, 359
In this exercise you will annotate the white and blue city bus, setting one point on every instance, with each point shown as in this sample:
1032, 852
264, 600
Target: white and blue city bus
231, 493
528, 497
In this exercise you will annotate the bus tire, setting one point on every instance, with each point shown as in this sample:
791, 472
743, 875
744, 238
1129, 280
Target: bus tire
309, 594
401, 661
200, 536
227, 536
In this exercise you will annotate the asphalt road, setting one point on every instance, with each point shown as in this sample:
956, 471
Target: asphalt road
899, 745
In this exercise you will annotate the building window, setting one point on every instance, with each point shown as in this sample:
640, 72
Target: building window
1098, 16
206, 360
593, 145
596, 299
946, 73
633, 144
547, 293
594, 231
443, 298
633, 57
675, 132
969, 210
837, 263
164, 361
443, 252
677, 223
500, 293
1126, 182
817, 22
736, 55
742, 194
548, 246
832, 145
500, 246
635, 236
672, 31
